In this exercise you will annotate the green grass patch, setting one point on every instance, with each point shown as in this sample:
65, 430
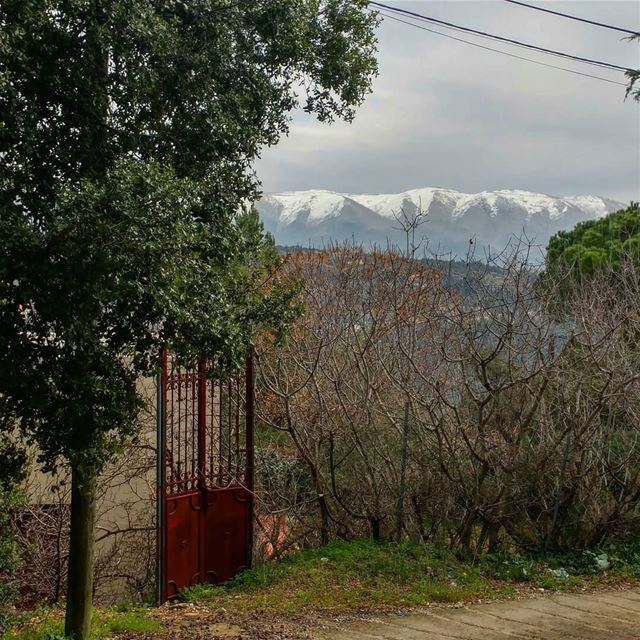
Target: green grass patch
48, 624
364, 575
359, 575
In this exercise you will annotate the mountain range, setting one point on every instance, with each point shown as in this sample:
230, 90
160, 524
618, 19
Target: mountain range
454, 220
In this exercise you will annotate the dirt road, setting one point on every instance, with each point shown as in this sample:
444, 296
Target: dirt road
590, 616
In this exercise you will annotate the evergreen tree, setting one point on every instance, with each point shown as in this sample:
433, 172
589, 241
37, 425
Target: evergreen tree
595, 244
633, 87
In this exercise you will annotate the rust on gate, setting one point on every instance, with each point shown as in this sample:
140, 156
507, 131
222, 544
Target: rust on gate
205, 475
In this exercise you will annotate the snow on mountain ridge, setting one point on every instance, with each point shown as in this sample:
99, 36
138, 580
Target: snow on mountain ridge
455, 220
320, 204
387, 204
594, 204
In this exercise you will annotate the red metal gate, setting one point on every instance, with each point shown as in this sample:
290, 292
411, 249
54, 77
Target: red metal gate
205, 475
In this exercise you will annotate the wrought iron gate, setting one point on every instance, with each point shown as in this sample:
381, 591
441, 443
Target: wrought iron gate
205, 476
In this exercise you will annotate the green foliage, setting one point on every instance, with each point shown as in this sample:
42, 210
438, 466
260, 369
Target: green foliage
347, 576
127, 133
198, 592
633, 76
284, 476
595, 244
48, 625
12, 470
509, 566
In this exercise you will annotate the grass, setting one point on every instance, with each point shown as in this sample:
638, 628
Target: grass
353, 576
345, 577
48, 624
364, 576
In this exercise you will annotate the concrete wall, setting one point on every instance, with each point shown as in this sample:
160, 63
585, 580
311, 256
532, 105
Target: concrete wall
125, 531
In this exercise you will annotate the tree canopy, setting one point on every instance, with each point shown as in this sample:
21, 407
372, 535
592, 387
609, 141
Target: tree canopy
128, 129
596, 244
633, 88
127, 133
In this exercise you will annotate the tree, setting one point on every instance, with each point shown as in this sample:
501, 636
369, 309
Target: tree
521, 431
633, 76
12, 472
127, 133
337, 387
595, 245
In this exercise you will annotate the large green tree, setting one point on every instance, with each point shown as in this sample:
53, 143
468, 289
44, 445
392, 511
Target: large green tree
128, 129
594, 245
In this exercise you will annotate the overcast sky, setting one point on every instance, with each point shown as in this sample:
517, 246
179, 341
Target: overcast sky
446, 114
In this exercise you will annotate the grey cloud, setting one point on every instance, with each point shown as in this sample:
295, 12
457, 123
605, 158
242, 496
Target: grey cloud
446, 114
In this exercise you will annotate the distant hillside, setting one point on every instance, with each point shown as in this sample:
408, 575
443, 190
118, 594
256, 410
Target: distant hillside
456, 273
488, 219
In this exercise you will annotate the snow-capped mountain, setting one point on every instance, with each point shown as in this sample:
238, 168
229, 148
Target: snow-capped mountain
489, 219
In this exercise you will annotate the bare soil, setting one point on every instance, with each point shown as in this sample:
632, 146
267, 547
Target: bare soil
601, 615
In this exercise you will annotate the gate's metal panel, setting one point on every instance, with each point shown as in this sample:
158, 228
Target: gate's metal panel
206, 509
183, 542
225, 552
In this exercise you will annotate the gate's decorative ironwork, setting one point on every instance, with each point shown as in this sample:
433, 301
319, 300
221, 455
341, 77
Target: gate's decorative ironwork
205, 475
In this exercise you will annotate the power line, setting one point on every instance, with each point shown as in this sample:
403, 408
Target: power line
566, 15
506, 53
484, 34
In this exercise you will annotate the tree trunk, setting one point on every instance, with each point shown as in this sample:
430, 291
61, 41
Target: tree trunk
374, 523
81, 544
403, 473
324, 520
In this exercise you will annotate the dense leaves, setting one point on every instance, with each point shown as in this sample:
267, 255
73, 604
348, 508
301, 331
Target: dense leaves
12, 469
633, 76
596, 244
127, 133
122, 267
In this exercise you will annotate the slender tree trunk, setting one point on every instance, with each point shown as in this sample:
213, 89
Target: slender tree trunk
551, 534
403, 473
324, 519
374, 523
95, 160
81, 544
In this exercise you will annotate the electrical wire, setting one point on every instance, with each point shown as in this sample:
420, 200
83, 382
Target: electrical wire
484, 34
506, 53
566, 15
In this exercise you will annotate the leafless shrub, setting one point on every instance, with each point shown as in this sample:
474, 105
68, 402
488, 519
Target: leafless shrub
457, 407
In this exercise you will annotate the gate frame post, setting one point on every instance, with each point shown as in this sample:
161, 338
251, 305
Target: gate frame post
202, 462
161, 421
249, 450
